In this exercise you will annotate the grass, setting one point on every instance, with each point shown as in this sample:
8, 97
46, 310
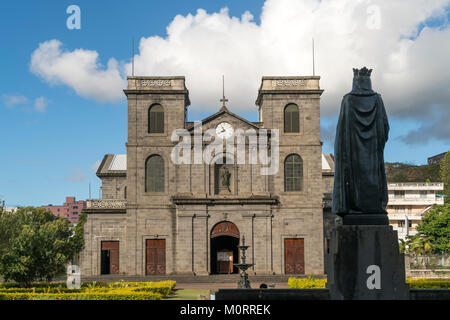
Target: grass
187, 294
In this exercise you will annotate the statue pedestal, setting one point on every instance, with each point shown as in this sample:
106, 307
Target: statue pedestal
366, 219
364, 263
224, 192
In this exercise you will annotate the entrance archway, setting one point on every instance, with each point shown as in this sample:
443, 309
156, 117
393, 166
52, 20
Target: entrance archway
224, 248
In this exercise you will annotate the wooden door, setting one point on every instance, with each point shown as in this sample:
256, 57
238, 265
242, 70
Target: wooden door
156, 256
294, 256
112, 249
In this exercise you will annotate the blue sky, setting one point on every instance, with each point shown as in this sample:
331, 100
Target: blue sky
51, 145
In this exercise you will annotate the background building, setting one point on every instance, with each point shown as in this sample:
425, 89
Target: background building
408, 201
71, 209
11, 209
437, 158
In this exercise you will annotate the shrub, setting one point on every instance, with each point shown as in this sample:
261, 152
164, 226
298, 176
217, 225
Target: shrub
310, 283
428, 283
98, 291
82, 296
306, 283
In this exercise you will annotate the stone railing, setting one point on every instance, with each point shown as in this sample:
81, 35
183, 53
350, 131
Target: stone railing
105, 204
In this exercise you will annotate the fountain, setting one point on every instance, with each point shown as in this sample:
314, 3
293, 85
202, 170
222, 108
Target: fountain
243, 282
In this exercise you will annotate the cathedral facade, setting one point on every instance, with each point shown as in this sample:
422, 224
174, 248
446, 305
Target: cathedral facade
158, 216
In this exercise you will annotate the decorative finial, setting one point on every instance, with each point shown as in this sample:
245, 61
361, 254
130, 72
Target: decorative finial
223, 100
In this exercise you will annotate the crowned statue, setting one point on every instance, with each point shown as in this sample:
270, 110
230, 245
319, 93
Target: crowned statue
360, 192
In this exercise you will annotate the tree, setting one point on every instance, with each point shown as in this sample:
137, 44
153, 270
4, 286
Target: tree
433, 233
445, 176
36, 245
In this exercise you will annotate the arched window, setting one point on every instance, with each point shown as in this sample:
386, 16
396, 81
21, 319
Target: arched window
291, 118
293, 173
156, 119
154, 174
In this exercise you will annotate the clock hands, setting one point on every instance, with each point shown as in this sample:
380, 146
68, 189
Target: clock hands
224, 130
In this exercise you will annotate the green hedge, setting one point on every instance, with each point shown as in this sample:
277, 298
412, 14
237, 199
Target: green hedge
82, 296
91, 291
311, 283
10, 285
306, 283
428, 283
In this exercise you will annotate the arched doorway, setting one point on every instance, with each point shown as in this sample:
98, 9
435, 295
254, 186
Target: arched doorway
224, 248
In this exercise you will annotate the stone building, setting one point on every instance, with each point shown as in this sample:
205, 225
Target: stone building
160, 217
437, 158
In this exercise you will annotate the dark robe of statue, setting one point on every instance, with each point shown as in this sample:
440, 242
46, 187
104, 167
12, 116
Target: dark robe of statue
360, 185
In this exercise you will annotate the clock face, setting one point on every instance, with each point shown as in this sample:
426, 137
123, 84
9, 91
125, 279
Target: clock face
224, 130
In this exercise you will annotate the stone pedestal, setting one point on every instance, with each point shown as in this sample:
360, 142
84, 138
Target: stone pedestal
364, 263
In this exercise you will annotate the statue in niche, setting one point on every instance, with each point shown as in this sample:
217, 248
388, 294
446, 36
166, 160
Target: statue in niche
224, 179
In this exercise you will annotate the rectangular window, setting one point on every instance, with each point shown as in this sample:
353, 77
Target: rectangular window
399, 193
400, 209
401, 223
423, 194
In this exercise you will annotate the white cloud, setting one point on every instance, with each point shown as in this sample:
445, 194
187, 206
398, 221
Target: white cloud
40, 104
407, 72
78, 69
411, 69
95, 166
77, 175
11, 101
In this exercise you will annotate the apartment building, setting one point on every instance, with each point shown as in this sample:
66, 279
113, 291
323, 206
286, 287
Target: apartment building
71, 209
409, 201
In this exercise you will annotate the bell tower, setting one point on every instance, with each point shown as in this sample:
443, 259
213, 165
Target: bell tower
292, 106
157, 106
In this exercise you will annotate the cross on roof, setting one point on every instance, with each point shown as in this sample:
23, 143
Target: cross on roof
223, 100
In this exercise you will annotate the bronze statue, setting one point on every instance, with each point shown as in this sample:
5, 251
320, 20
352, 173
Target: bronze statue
360, 192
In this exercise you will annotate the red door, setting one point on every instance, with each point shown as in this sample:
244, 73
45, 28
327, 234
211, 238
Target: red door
113, 248
156, 256
294, 256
